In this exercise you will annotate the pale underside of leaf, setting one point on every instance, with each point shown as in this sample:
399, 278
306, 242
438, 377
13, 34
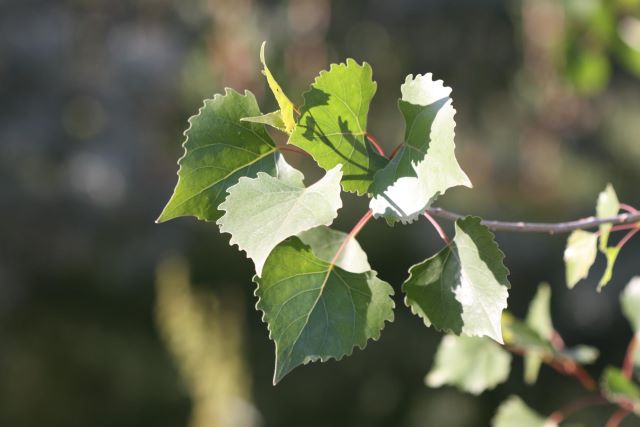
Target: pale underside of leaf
263, 211
333, 124
472, 364
425, 166
579, 255
325, 243
315, 310
630, 302
219, 149
513, 412
463, 289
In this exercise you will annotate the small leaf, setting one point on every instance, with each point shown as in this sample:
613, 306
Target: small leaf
263, 211
219, 149
462, 289
630, 302
273, 119
513, 412
606, 207
579, 255
333, 124
619, 389
472, 364
315, 310
519, 335
426, 165
326, 242
538, 319
611, 255
286, 106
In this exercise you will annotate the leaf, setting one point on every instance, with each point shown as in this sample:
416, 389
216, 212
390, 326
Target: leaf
326, 242
611, 255
472, 364
619, 389
315, 310
513, 412
579, 255
286, 106
462, 289
606, 207
539, 320
333, 124
219, 149
519, 335
630, 302
263, 211
426, 165
273, 119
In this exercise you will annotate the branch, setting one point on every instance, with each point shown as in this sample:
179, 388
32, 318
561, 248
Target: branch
543, 227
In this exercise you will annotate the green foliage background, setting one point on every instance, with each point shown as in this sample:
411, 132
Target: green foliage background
95, 96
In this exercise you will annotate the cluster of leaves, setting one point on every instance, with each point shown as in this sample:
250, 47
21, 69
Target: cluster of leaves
318, 294
475, 364
583, 246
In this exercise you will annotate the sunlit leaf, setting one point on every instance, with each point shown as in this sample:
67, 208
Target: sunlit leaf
273, 119
538, 319
462, 289
425, 166
286, 106
263, 211
315, 310
473, 364
513, 412
606, 207
579, 255
333, 124
219, 149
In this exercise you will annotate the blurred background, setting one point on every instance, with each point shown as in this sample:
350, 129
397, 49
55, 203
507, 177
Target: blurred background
109, 319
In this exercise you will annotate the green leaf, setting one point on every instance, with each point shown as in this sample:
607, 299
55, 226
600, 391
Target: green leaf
539, 320
219, 149
579, 255
333, 124
630, 302
519, 335
472, 364
315, 310
611, 255
513, 412
426, 165
326, 242
263, 211
273, 119
462, 289
606, 207
286, 106
619, 389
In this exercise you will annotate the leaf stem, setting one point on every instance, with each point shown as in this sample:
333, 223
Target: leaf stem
628, 208
565, 412
291, 150
395, 151
354, 231
627, 367
438, 227
375, 144
543, 227
628, 237
617, 417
